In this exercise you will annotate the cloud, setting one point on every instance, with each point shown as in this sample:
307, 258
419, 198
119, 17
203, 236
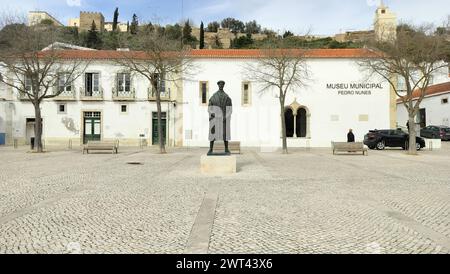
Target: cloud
74, 3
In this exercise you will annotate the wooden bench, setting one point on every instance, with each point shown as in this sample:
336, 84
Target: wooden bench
234, 147
101, 145
349, 147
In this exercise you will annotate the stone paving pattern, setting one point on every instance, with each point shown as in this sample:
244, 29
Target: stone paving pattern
309, 201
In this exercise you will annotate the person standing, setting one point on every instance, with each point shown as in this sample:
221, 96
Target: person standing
350, 136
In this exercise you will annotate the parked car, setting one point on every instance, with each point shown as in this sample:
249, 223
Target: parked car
436, 132
380, 139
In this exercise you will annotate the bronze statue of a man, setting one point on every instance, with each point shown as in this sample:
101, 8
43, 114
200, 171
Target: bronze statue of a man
219, 109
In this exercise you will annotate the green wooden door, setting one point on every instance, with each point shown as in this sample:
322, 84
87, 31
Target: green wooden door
92, 127
155, 136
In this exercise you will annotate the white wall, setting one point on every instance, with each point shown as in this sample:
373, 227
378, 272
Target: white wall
117, 125
436, 113
441, 76
259, 125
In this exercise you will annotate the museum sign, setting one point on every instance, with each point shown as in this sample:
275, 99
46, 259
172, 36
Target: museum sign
354, 88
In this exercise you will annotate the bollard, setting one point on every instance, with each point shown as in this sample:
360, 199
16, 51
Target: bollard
70, 143
430, 145
15, 143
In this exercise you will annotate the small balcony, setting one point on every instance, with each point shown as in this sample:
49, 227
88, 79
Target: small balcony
123, 95
164, 95
66, 95
94, 95
23, 97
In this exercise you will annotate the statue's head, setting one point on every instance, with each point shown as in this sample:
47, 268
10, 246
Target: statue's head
221, 84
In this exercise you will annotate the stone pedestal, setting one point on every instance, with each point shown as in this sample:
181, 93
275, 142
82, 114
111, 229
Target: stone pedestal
218, 165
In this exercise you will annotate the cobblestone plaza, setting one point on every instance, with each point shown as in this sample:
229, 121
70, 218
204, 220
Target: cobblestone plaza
309, 201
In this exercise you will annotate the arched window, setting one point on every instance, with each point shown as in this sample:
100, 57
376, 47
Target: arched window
289, 120
301, 123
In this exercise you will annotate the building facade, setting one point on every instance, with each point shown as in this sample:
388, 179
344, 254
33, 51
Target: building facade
86, 19
434, 109
122, 27
36, 17
106, 103
337, 97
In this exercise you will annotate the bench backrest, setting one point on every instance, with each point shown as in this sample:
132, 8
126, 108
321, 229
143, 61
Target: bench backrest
102, 143
342, 145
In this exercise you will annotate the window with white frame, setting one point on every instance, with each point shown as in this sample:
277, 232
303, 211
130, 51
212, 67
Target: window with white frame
401, 84
28, 84
64, 83
92, 83
123, 82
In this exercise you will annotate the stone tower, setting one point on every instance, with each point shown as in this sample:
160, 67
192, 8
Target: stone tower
86, 19
385, 24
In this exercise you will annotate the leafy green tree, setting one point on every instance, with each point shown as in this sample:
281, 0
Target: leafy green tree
213, 27
252, 27
110, 40
134, 25
188, 39
174, 32
287, 34
242, 42
202, 36
115, 20
93, 38
234, 25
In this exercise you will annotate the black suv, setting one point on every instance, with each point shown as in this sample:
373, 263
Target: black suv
436, 132
380, 139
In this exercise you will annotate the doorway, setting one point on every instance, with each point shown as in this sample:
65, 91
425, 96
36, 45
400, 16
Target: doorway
92, 126
155, 136
301, 123
422, 118
289, 122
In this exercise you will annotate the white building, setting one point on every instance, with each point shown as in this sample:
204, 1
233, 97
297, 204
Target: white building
434, 109
36, 17
122, 27
338, 97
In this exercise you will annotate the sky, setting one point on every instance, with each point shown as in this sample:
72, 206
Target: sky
320, 17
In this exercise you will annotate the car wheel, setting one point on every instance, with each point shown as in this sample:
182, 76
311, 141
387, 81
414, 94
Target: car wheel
381, 145
418, 147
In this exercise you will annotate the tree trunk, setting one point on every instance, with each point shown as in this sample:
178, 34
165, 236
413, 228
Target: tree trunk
412, 135
283, 128
162, 148
37, 128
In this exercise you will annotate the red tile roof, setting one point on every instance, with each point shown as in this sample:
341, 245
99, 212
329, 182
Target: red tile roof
431, 90
219, 53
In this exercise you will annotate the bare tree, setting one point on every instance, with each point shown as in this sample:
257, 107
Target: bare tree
412, 58
281, 69
159, 59
35, 74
